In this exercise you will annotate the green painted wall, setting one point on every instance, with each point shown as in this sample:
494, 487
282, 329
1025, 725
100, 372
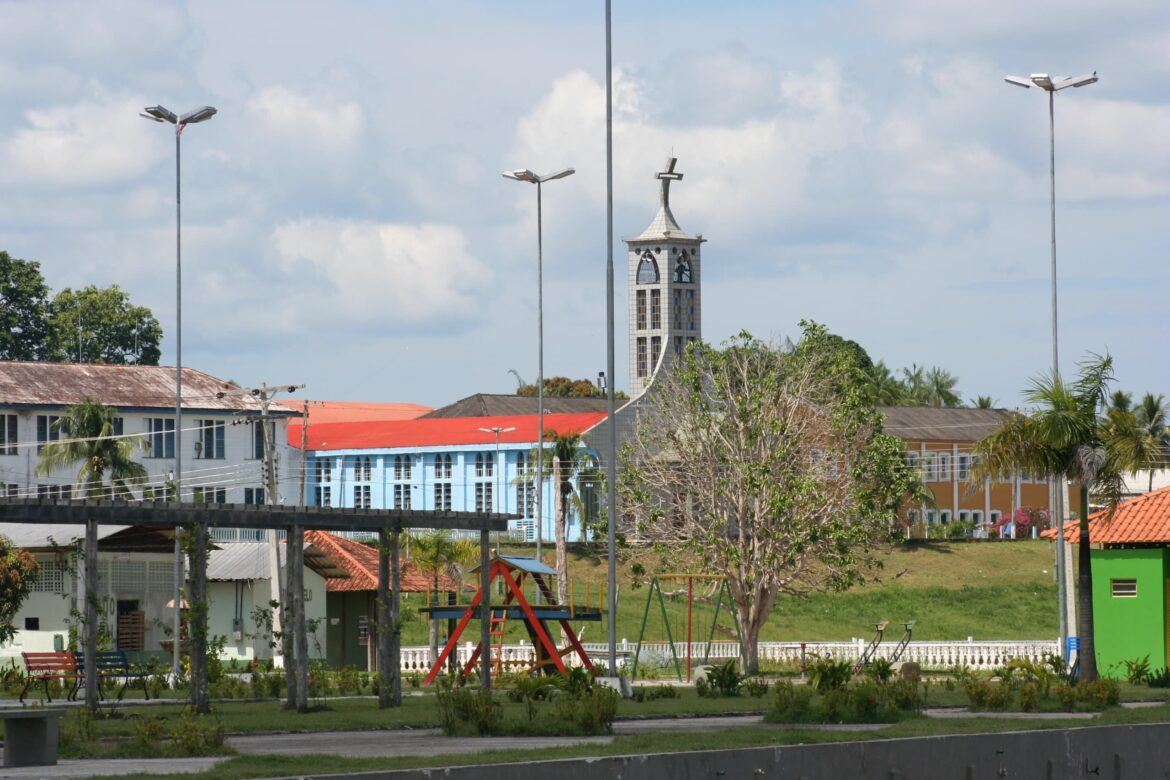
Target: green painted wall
343, 646
1129, 628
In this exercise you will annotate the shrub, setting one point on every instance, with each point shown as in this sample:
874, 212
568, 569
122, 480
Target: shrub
725, 679
791, 704
77, 728
1099, 694
651, 692
591, 710
756, 687
1159, 679
148, 730
1137, 671
198, 735
879, 670
829, 674
463, 711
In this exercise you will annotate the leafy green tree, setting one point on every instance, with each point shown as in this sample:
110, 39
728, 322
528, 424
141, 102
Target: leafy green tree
96, 325
771, 464
439, 554
24, 310
1069, 434
88, 431
18, 572
563, 387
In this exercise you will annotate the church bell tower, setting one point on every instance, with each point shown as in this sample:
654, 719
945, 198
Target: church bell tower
665, 271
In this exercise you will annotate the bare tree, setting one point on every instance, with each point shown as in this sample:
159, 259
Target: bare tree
771, 464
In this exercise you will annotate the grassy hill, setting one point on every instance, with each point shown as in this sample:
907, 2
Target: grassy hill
984, 590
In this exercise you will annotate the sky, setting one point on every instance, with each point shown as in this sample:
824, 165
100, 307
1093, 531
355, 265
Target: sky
345, 224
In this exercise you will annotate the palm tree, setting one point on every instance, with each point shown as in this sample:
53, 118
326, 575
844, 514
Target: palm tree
1066, 436
88, 428
940, 388
914, 383
569, 462
1121, 401
888, 391
437, 554
983, 402
1152, 414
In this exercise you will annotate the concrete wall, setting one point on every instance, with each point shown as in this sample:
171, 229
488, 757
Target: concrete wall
1140, 752
225, 600
1129, 627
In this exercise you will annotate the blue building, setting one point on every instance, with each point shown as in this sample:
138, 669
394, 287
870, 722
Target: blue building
455, 463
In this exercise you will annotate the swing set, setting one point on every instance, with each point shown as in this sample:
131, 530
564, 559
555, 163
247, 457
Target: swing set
718, 594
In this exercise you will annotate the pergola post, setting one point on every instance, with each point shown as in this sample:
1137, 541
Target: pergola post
295, 555
385, 681
200, 699
89, 611
486, 611
394, 657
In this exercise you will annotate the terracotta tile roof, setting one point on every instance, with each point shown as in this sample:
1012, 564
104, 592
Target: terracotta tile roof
361, 561
446, 431
1141, 520
349, 411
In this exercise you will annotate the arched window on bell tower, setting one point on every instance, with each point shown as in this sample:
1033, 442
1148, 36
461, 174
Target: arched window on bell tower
682, 269
647, 269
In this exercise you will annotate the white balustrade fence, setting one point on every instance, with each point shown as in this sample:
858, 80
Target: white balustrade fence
930, 655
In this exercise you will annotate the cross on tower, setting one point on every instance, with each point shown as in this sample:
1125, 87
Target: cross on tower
667, 177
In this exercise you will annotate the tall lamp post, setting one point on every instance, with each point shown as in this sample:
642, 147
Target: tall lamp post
532, 178
1052, 86
497, 430
161, 114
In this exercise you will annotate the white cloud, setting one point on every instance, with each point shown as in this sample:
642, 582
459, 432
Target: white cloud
371, 272
315, 126
92, 142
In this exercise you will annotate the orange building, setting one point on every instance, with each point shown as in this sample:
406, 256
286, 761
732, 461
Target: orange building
939, 443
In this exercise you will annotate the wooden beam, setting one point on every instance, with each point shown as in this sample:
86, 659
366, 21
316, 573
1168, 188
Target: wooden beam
160, 514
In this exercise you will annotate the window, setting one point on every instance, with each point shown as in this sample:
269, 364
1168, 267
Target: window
944, 516
642, 369
995, 516
401, 468
47, 429
964, 467
363, 627
323, 496
647, 269
254, 496
209, 444
912, 516
482, 469
11, 490
117, 426
52, 577
258, 439
323, 469
964, 515
682, 269
943, 466
402, 496
640, 309
206, 495
55, 491
443, 496
483, 496
655, 349
8, 434
362, 469
525, 492
1123, 589
676, 309
655, 309
690, 309
977, 517
161, 433
361, 496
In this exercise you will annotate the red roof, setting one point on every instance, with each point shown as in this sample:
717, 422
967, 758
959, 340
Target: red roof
445, 431
1141, 520
361, 561
350, 411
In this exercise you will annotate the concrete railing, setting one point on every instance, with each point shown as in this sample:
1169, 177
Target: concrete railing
930, 655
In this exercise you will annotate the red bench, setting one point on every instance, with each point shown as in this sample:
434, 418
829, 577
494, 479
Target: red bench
51, 666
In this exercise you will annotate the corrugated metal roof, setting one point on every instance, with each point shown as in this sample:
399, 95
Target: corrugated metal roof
144, 387
1141, 520
249, 561
498, 405
111, 538
425, 432
933, 423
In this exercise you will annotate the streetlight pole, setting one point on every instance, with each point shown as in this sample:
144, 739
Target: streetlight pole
532, 178
611, 461
497, 430
1046, 83
161, 114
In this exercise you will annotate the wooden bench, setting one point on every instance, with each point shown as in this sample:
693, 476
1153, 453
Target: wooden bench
47, 667
30, 736
111, 664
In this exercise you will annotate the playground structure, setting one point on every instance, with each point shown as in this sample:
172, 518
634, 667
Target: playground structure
513, 573
871, 649
718, 586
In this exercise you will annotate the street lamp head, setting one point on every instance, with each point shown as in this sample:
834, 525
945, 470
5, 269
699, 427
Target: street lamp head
160, 114
558, 174
1083, 81
522, 175
198, 115
1042, 80
1019, 81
